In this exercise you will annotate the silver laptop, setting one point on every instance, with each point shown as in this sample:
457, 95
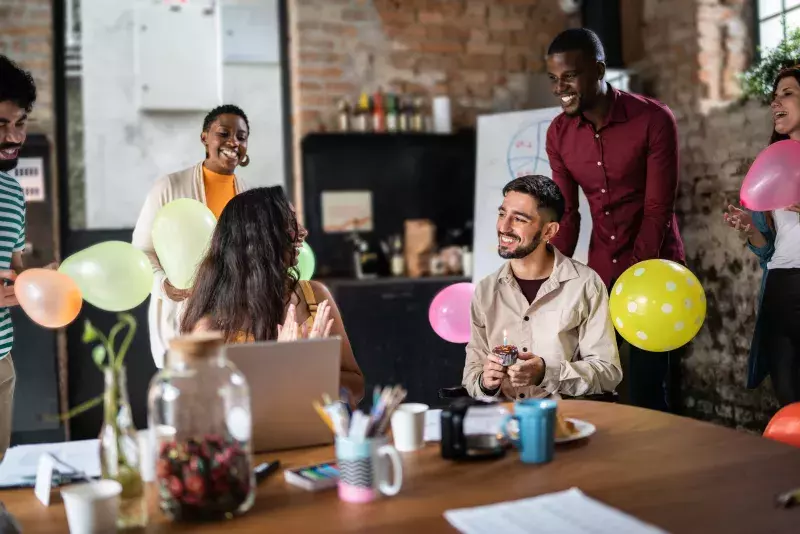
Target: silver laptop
285, 378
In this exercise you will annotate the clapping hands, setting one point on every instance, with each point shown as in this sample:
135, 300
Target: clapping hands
291, 331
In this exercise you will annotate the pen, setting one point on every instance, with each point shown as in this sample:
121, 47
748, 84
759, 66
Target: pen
264, 470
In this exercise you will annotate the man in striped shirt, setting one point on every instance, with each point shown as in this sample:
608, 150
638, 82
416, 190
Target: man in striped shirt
17, 96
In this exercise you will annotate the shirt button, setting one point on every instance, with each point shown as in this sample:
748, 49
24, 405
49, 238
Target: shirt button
597, 136
613, 237
527, 318
599, 163
521, 395
606, 213
614, 260
602, 190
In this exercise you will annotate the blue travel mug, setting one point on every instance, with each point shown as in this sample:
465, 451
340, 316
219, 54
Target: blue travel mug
536, 419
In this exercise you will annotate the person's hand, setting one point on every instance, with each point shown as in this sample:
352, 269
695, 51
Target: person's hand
51, 266
323, 322
493, 372
7, 296
173, 293
528, 371
289, 331
739, 220
794, 207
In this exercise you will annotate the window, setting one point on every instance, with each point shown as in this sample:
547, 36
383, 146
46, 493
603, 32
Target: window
775, 19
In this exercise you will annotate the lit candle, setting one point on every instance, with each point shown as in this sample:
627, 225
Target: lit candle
505, 338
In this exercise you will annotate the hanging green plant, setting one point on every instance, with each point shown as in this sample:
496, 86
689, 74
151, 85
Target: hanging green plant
757, 80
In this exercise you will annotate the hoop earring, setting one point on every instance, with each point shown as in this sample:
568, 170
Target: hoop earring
245, 161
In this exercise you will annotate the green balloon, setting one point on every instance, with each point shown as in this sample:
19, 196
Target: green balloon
306, 262
181, 235
113, 276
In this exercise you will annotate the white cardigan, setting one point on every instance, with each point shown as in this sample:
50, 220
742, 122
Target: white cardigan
164, 314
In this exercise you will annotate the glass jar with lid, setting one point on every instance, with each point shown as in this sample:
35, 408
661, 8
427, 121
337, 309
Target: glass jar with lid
200, 423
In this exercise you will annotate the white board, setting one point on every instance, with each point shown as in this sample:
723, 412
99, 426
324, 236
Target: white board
512, 145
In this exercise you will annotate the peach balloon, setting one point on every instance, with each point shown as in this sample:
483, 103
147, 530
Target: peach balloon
49, 298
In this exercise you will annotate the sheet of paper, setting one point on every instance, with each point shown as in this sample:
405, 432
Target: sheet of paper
556, 513
21, 463
479, 420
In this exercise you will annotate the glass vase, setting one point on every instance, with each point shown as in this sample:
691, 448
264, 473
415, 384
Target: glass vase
120, 457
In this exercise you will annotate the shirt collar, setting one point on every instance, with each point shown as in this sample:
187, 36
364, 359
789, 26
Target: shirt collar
617, 111
563, 270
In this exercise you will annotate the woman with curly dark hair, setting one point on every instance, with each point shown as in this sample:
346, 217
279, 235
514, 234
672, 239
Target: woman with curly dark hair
248, 282
212, 181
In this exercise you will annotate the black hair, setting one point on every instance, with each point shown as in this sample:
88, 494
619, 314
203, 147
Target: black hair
248, 274
580, 39
546, 192
225, 109
793, 72
16, 85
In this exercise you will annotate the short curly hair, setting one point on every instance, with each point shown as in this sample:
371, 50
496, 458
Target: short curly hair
225, 109
16, 85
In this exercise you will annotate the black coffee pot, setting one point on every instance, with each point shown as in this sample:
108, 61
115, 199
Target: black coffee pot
456, 445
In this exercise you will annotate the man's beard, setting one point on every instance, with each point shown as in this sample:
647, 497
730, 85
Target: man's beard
520, 251
9, 164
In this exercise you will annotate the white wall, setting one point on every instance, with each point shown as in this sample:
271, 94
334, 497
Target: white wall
126, 150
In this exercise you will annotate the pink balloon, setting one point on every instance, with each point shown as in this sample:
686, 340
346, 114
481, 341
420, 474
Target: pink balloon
773, 182
449, 312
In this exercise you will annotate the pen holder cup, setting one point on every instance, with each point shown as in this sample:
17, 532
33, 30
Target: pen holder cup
364, 467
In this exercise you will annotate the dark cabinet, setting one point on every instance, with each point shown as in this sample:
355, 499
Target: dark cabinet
393, 342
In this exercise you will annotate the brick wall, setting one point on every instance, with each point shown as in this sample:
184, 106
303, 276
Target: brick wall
479, 52
26, 37
693, 53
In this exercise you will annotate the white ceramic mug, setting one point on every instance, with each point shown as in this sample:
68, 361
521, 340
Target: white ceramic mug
408, 426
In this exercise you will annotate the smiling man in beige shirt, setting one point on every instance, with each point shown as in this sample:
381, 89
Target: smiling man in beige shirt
551, 307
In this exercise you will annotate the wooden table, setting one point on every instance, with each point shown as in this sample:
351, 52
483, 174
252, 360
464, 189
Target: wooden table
676, 473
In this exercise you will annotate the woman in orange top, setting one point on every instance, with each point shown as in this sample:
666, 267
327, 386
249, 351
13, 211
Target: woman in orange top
248, 282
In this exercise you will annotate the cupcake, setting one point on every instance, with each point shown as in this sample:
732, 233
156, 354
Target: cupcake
507, 353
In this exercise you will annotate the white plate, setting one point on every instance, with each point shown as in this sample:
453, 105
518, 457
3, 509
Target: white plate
584, 429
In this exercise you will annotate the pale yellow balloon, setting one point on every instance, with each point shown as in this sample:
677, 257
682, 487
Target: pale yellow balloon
181, 235
113, 276
658, 305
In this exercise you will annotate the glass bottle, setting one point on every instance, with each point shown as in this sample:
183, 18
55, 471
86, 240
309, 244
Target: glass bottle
199, 415
120, 457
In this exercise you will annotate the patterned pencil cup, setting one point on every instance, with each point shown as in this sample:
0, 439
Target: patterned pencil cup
536, 419
364, 469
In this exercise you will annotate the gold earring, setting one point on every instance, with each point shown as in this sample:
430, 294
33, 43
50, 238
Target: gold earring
245, 160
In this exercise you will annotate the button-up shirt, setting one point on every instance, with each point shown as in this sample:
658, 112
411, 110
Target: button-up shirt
628, 170
568, 325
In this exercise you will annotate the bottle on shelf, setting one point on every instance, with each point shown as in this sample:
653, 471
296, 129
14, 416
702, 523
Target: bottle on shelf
363, 121
391, 113
344, 115
418, 118
403, 115
378, 113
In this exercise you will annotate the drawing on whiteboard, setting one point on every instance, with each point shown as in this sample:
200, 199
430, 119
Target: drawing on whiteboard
524, 150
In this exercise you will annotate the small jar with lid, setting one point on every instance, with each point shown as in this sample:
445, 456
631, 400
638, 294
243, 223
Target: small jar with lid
199, 419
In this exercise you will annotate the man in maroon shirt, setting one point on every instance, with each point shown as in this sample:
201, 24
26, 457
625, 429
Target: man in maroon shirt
621, 149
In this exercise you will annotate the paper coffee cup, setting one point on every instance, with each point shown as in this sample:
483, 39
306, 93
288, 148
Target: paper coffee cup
92, 508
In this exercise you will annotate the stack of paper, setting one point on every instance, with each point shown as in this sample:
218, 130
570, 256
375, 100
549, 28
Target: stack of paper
565, 512
20, 463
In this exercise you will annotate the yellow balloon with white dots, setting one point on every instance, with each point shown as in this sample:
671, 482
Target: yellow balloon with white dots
658, 305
